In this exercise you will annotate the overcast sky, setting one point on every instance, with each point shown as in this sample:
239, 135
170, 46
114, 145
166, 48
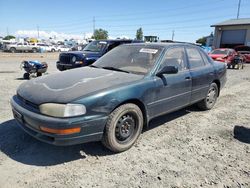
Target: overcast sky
189, 19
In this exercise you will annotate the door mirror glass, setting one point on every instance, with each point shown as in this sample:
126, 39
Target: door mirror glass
168, 70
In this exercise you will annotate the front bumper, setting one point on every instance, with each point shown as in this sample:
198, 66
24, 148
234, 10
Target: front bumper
65, 66
91, 126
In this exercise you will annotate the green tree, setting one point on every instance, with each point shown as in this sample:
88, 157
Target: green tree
139, 34
8, 37
202, 41
100, 34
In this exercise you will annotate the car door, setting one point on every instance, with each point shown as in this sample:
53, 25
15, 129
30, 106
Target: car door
173, 91
202, 73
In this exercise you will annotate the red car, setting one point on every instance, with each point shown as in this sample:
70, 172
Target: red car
227, 55
244, 51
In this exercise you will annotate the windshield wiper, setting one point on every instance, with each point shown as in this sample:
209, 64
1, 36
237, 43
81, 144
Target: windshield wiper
115, 69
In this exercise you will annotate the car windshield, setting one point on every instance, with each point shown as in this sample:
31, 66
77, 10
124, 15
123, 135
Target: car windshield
220, 51
130, 58
95, 46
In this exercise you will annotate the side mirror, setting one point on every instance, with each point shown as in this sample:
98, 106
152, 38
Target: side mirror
167, 70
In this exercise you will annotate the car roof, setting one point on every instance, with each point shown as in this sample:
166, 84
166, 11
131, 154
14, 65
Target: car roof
114, 40
162, 44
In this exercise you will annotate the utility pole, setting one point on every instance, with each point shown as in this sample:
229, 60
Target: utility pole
173, 35
93, 25
238, 12
7, 31
38, 32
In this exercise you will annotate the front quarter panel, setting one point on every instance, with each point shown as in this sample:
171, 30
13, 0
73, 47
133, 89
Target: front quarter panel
104, 102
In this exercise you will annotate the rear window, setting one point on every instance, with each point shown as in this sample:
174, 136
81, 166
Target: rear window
194, 58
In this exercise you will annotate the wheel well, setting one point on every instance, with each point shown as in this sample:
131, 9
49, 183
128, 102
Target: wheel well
141, 106
218, 85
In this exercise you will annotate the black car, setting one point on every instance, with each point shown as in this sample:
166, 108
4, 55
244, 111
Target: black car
90, 53
113, 99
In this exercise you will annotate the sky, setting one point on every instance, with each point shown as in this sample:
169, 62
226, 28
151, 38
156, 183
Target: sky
189, 19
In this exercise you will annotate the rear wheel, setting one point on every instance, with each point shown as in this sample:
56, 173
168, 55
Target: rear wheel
26, 76
123, 127
210, 100
34, 50
38, 74
12, 50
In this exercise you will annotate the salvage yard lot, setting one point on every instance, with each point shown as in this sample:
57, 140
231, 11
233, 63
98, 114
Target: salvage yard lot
187, 148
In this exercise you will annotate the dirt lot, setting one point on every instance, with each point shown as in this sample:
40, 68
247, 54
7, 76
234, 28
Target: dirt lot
188, 148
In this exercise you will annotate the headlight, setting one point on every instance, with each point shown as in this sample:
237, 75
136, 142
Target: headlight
73, 59
62, 110
79, 62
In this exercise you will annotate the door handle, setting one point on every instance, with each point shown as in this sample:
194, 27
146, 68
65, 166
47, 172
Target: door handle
188, 78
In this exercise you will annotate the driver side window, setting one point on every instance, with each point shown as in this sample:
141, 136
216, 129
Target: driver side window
174, 57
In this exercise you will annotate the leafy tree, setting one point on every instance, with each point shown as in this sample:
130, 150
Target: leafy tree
139, 34
202, 41
100, 34
8, 37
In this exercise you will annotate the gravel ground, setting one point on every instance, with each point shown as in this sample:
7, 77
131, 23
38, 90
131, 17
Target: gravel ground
187, 148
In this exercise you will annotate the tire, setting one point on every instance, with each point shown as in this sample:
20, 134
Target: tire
26, 76
38, 74
123, 128
13, 50
59, 50
53, 50
34, 50
211, 98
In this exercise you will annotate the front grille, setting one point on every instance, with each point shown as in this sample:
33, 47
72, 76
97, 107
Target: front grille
65, 58
27, 103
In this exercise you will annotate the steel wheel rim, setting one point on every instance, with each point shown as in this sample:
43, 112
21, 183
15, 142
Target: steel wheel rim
126, 127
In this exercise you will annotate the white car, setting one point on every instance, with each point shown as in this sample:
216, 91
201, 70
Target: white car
46, 47
62, 49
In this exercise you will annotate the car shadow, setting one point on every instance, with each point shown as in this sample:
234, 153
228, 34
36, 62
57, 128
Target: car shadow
171, 116
242, 134
21, 147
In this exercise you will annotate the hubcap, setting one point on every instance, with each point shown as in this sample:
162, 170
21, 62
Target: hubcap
125, 127
211, 96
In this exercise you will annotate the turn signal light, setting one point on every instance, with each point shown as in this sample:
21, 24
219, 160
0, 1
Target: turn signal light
61, 131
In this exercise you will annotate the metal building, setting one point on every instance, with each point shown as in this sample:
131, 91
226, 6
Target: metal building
231, 33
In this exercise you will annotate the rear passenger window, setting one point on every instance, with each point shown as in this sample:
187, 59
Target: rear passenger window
205, 58
194, 57
174, 57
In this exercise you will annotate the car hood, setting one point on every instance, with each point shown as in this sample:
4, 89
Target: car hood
64, 87
84, 53
214, 56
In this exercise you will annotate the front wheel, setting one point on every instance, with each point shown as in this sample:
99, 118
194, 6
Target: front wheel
123, 127
210, 100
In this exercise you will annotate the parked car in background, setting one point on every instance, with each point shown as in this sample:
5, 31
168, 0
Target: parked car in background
22, 47
244, 51
90, 53
78, 47
46, 47
62, 48
228, 56
113, 99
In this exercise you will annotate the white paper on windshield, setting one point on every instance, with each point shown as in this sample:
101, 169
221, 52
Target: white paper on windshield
148, 50
103, 42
